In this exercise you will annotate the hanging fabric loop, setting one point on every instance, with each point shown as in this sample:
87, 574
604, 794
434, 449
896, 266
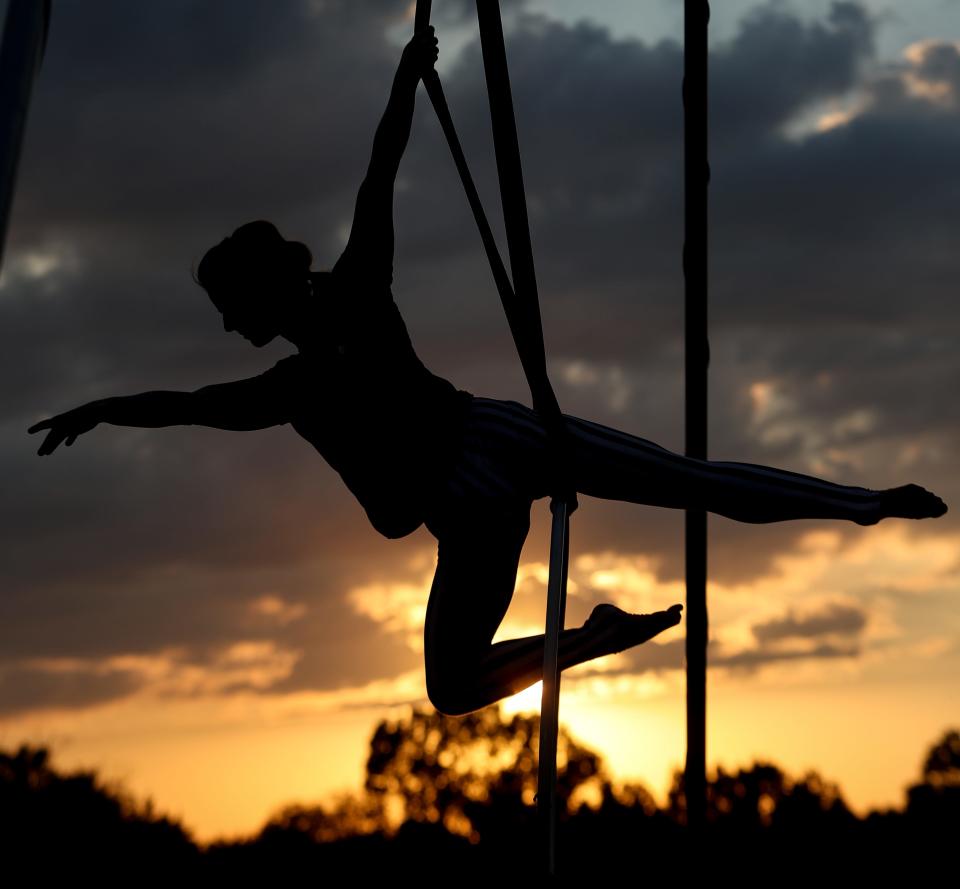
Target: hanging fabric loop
520, 301
25, 29
522, 307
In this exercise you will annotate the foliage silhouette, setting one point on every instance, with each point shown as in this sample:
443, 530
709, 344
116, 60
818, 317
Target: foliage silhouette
51, 822
763, 797
456, 794
453, 770
935, 801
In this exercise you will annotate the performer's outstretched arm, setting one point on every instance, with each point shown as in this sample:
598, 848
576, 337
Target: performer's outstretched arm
369, 250
240, 406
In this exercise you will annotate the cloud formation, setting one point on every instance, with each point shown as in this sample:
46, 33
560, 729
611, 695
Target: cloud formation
836, 618
155, 130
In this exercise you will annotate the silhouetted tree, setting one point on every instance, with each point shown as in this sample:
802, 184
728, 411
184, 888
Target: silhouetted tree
935, 801
763, 797
53, 823
457, 771
759, 818
457, 792
942, 766
472, 778
349, 815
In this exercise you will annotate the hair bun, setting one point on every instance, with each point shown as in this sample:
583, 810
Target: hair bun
258, 234
298, 255
255, 251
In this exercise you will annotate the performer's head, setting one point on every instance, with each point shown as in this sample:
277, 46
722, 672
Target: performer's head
256, 278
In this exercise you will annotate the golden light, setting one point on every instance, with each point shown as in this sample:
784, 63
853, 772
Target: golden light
923, 85
834, 119
525, 701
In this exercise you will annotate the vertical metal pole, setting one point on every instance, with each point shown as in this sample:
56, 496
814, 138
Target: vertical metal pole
697, 357
24, 36
550, 699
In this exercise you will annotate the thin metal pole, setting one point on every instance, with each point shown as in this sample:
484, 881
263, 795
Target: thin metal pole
697, 358
24, 36
550, 699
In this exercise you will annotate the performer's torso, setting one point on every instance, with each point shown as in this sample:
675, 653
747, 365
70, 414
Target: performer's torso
360, 395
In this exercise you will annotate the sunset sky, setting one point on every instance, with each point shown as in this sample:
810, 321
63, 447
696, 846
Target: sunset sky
209, 617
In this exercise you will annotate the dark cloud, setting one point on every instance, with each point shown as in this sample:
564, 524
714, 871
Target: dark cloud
833, 631
752, 659
157, 129
777, 66
656, 657
345, 650
940, 64
23, 688
834, 619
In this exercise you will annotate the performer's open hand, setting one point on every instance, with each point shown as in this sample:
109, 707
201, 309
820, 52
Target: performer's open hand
422, 51
67, 426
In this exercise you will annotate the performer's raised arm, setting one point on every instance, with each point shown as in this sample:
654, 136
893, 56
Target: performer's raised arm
369, 250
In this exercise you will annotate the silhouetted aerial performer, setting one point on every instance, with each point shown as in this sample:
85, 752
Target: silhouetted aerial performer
415, 450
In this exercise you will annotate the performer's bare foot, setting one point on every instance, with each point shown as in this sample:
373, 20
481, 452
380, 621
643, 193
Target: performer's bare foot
910, 502
612, 629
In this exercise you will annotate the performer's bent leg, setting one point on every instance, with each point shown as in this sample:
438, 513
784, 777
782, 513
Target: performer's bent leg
617, 466
479, 553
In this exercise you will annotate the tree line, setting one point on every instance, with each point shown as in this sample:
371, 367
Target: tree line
455, 795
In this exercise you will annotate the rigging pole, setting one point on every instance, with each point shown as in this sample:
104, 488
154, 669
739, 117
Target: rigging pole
697, 358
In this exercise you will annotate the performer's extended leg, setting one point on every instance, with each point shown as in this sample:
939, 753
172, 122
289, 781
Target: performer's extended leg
479, 553
506, 448
617, 466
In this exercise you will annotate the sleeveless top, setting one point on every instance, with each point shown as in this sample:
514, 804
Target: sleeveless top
360, 395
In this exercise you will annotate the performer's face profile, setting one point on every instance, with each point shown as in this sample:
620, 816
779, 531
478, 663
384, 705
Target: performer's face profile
244, 314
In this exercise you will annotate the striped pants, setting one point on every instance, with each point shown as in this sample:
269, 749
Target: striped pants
482, 517
503, 463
